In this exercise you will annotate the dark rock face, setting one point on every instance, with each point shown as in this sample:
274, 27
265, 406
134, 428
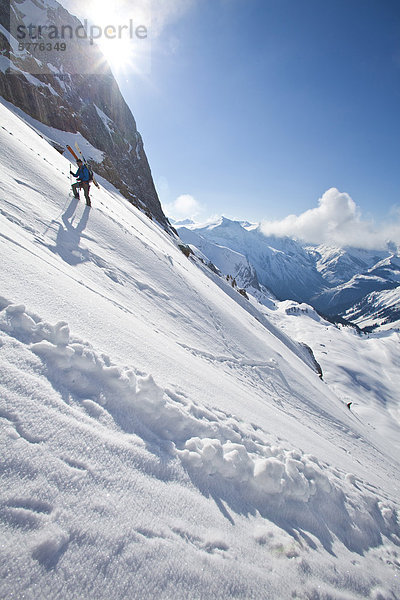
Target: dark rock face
67, 88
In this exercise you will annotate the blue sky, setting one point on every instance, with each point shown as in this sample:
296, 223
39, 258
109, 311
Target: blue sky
264, 104
256, 107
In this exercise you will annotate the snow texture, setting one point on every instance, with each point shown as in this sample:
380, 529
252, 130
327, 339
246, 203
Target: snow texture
161, 435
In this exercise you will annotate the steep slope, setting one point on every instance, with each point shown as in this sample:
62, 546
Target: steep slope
74, 91
161, 438
359, 368
336, 348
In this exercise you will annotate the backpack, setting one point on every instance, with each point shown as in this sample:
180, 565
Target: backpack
91, 175
90, 170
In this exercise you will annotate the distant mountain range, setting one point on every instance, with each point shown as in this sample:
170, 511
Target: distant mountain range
359, 285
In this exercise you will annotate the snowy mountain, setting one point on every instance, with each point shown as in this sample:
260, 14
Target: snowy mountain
161, 435
339, 265
73, 92
282, 265
370, 299
342, 298
377, 308
340, 282
226, 260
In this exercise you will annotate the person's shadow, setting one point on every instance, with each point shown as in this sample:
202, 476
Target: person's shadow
69, 236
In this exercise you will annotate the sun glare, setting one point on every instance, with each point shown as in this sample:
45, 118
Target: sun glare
121, 33
119, 54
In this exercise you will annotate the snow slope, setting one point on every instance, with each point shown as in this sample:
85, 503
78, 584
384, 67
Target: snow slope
160, 436
359, 368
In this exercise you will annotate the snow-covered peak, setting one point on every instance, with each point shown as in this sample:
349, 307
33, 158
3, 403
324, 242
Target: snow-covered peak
281, 264
182, 222
332, 279
390, 263
228, 261
218, 222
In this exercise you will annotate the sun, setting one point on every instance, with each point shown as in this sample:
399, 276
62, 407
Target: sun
121, 35
119, 54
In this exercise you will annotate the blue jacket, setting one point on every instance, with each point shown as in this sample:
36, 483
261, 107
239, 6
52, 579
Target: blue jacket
82, 174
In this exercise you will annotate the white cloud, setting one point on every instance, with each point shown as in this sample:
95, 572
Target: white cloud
336, 220
185, 206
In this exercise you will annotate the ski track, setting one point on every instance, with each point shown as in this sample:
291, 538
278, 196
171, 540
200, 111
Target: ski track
207, 444
246, 470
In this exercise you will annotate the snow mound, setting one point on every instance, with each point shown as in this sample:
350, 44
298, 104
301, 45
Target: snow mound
269, 470
216, 449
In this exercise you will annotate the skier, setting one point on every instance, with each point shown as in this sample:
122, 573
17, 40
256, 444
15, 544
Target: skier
83, 182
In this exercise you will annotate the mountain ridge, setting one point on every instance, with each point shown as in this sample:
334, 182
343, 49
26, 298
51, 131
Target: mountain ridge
332, 279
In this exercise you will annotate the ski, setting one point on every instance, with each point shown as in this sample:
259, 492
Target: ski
85, 162
72, 152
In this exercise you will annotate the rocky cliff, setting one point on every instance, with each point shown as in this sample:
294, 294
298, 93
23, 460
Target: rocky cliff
75, 91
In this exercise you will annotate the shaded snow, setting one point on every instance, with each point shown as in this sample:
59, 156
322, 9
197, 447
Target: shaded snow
110, 442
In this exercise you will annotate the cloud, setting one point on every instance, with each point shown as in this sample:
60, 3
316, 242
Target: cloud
185, 206
336, 220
